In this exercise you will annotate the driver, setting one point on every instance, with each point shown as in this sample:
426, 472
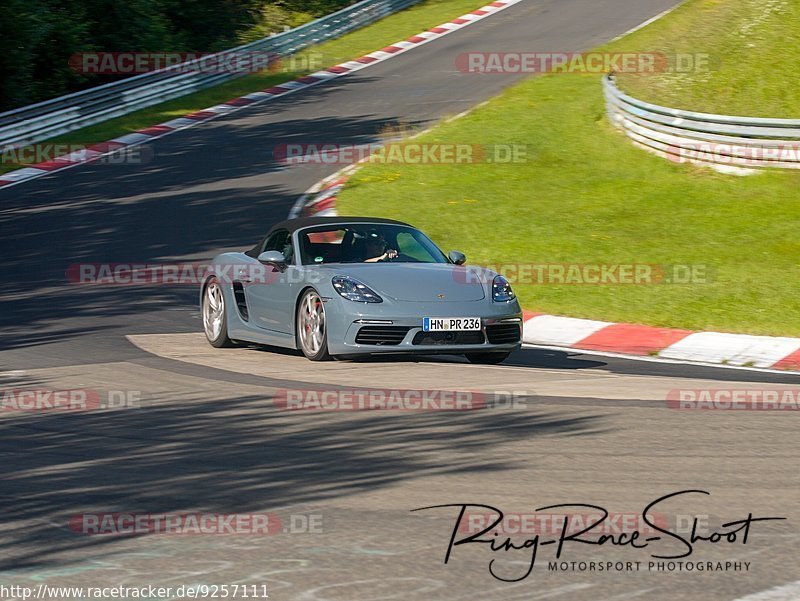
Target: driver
375, 248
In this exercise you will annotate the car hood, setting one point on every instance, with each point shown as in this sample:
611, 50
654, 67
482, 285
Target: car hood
415, 281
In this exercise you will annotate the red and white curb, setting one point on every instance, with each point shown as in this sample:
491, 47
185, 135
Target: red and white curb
683, 346
741, 350
148, 134
320, 199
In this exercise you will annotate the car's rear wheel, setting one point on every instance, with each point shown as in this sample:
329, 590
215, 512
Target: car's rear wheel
215, 321
312, 334
488, 358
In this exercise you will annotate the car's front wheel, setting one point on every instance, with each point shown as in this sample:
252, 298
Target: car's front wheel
488, 358
312, 335
215, 321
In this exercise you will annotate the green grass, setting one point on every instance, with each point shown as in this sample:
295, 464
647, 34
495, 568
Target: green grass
589, 196
363, 41
753, 50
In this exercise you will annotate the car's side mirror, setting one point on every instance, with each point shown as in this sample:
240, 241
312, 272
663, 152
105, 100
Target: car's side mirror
273, 257
457, 257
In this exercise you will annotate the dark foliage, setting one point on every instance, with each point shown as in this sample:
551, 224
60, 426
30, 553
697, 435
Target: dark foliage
38, 37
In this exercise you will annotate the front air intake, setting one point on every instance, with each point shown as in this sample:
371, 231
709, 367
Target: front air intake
382, 335
503, 333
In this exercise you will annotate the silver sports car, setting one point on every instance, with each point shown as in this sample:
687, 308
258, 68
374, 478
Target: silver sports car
348, 286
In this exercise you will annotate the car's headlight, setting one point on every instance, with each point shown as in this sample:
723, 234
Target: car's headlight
353, 290
501, 290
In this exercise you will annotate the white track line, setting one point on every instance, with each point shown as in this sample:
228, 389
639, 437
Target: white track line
787, 592
579, 351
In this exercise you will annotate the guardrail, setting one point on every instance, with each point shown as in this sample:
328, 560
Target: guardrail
724, 142
44, 120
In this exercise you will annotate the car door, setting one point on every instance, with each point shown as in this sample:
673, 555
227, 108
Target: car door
270, 291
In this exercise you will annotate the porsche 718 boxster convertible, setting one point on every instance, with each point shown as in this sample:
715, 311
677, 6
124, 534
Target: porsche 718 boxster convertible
349, 286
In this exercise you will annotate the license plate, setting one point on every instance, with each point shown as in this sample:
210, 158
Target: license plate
450, 324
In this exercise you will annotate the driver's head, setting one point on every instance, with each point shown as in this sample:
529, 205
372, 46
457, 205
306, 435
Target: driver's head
376, 243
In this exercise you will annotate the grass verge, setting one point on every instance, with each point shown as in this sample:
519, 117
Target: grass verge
586, 196
352, 45
752, 48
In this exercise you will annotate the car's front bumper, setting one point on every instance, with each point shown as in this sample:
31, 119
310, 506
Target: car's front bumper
380, 329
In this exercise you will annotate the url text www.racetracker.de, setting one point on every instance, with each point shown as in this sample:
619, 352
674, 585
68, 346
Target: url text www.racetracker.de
650, 566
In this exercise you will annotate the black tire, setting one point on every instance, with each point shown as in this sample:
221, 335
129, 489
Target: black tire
215, 320
490, 358
310, 326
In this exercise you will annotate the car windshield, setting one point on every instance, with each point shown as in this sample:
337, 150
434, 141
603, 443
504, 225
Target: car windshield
367, 243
